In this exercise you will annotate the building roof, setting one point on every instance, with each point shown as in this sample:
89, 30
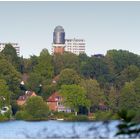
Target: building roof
54, 97
59, 29
98, 55
26, 96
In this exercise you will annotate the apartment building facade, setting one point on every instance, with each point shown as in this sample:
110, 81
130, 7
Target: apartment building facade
15, 45
76, 46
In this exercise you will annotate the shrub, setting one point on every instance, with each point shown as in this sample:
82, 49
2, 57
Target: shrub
37, 108
77, 118
23, 115
58, 115
3, 118
105, 115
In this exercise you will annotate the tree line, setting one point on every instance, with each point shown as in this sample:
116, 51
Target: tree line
106, 83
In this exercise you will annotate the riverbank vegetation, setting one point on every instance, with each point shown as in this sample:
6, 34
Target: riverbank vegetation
98, 85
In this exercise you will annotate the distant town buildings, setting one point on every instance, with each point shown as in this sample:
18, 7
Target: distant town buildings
60, 44
15, 45
76, 46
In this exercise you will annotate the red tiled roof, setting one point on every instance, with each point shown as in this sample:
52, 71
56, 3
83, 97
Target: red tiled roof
54, 97
22, 98
26, 96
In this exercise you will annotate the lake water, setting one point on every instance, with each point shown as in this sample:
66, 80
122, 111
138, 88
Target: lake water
57, 129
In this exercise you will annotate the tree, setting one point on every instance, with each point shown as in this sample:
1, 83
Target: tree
34, 81
44, 67
137, 85
113, 98
93, 91
74, 96
10, 54
66, 60
83, 60
128, 128
30, 63
4, 94
42, 72
118, 60
129, 99
68, 77
127, 75
96, 68
21, 65
11, 76
37, 108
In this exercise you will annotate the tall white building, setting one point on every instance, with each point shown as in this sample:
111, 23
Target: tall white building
76, 46
15, 45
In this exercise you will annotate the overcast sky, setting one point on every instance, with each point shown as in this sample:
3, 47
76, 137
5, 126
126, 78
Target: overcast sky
104, 25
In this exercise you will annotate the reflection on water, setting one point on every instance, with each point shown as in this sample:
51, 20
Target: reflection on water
57, 129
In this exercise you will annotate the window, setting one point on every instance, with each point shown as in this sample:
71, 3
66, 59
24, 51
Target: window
59, 103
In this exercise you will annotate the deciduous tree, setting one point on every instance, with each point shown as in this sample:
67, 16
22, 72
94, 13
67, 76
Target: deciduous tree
68, 77
37, 108
74, 96
93, 91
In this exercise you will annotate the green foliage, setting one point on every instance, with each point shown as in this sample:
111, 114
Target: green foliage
113, 98
34, 81
30, 63
23, 115
60, 115
95, 68
11, 76
74, 96
130, 73
42, 71
112, 80
37, 108
77, 118
119, 60
10, 54
137, 117
3, 118
66, 60
93, 91
137, 85
127, 128
44, 67
4, 94
106, 115
68, 116
127, 75
129, 98
68, 77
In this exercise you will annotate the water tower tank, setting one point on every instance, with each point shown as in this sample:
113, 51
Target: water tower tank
59, 35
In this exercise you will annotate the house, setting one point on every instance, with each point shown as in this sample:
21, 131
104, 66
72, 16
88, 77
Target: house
102, 106
22, 99
55, 103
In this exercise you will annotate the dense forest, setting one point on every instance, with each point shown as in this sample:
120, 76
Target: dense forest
103, 85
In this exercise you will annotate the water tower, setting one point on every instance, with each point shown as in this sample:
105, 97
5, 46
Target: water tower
58, 40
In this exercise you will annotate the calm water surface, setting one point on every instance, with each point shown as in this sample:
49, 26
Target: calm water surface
57, 129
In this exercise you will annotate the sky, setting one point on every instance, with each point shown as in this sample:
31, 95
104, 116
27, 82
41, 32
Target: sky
103, 25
